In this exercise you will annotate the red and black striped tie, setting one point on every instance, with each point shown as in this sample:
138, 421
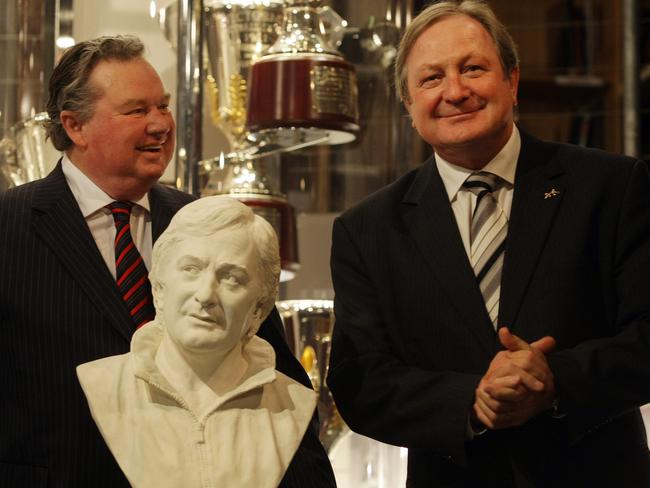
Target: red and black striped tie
130, 271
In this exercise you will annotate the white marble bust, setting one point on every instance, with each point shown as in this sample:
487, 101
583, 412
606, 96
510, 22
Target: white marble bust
197, 401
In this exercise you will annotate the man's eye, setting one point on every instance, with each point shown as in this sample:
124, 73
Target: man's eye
191, 270
430, 80
164, 108
231, 280
137, 111
473, 69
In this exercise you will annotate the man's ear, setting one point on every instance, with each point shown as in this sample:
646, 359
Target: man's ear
157, 292
73, 126
407, 106
514, 85
259, 306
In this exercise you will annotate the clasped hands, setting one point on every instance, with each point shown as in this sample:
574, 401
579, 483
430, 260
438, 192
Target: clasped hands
517, 385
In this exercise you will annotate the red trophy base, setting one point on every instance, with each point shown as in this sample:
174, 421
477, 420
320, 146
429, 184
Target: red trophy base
302, 90
279, 213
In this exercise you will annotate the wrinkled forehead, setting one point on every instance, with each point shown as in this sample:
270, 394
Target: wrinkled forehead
134, 77
227, 246
458, 23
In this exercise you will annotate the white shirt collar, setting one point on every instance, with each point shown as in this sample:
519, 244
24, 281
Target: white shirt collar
504, 165
89, 196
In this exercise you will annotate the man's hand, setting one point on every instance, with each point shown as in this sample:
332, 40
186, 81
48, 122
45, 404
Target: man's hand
517, 385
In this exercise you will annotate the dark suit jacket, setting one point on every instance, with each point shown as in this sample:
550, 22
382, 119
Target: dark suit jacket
412, 336
60, 307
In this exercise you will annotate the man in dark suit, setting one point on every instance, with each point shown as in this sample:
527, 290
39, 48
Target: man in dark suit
60, 305
493, 306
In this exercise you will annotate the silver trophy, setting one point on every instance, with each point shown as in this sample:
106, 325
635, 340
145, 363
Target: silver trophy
35, 155
303, 85
237, 33
26, 154
308, 325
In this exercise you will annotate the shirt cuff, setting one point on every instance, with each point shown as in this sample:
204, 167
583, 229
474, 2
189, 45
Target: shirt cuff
474, 429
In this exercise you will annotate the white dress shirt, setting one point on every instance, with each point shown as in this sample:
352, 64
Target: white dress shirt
92, 201
463, 201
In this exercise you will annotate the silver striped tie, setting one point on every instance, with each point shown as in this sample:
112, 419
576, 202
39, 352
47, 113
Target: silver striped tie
487, 239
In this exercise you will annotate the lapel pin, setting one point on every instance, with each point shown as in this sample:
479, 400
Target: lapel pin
550, 194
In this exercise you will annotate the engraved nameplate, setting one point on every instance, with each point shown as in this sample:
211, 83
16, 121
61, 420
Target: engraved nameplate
334, 90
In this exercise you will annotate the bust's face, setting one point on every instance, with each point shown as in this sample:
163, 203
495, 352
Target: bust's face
211, 287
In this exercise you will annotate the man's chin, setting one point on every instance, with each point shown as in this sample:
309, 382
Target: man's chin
152, 170
467, 133
203, 345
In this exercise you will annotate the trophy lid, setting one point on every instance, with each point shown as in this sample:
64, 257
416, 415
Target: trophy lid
303, 30
234, 174
303, 3
243, 3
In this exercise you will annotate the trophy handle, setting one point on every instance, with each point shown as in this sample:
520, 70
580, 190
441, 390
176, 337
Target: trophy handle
332, 25
230, 117
309, 362
10, 172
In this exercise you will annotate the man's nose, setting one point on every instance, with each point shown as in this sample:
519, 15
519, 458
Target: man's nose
455, 89
207, 292
160, 121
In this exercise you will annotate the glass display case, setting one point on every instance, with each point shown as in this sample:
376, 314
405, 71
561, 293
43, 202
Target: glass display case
572, 90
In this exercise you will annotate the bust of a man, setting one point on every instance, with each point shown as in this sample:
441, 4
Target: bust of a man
197, 401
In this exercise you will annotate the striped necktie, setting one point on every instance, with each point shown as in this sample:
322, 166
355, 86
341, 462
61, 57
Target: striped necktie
130, 271
487, 239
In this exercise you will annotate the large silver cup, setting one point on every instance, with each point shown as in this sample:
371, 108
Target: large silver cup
308, 324
26, 154
35, 155
237, 34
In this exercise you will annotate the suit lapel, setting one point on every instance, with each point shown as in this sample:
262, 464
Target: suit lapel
540, 186
60, 224
163, 208
428, 216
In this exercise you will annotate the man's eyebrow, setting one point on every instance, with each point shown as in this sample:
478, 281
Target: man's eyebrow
228, 267
428, 67
424, 67
141, 101
240, 272
189, 257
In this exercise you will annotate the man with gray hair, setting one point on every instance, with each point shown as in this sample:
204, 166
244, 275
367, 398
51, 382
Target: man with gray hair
198, 371
75, 248
501, 328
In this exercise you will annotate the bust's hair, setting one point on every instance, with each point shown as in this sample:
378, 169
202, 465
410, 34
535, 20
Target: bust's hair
477, 10
208, 215
69, 86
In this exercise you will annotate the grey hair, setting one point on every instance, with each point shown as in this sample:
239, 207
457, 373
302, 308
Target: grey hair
205, 217
69, 88
477, 10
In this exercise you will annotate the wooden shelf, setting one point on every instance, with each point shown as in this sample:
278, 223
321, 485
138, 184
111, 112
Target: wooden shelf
556, 38
562, 89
